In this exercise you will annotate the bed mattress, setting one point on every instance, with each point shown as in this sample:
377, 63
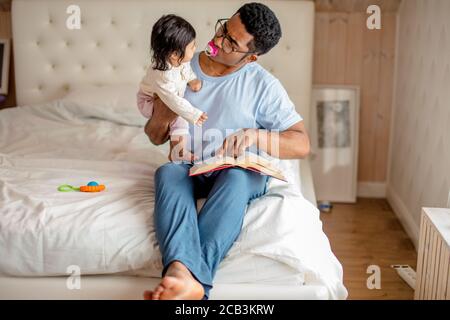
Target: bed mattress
44, 232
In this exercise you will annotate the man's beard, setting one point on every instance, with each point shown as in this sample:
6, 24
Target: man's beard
236, 64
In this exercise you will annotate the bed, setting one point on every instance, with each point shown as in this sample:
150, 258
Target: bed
76, 121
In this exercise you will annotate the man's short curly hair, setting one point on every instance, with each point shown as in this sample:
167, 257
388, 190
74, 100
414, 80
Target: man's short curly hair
262, 24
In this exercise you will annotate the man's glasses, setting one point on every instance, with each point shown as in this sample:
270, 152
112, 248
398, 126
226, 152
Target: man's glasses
228, 44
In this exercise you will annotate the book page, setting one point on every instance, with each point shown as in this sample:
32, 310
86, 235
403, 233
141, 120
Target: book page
248, 161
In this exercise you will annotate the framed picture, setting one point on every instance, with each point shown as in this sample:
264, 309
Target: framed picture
4, 65
334, 142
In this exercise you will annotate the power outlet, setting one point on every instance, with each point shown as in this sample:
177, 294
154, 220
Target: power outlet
406, 273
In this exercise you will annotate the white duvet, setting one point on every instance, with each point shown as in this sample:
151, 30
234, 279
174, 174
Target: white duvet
43, 231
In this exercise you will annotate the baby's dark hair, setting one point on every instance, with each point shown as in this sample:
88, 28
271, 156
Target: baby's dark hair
170, 34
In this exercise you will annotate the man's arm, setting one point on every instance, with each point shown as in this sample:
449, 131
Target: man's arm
157, 127
293, 143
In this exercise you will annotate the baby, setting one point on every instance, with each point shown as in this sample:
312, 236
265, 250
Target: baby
173, 46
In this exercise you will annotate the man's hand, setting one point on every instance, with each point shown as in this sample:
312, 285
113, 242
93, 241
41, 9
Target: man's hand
235, 145
292, 143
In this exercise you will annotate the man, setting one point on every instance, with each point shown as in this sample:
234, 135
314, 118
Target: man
237, 94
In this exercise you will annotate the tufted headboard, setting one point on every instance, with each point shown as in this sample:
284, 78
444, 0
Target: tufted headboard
112, 45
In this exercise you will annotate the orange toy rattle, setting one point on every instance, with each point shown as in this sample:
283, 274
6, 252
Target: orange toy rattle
90, 187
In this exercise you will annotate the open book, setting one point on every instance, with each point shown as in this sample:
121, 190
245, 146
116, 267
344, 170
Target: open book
249, 161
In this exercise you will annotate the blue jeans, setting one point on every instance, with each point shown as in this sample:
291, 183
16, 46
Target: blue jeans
201, 241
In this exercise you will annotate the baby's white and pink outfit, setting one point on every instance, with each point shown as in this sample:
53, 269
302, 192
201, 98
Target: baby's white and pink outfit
169, 86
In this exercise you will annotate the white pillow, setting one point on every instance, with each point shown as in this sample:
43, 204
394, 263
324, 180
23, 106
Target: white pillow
114, 102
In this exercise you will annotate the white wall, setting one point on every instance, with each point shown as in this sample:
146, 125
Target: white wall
419, 164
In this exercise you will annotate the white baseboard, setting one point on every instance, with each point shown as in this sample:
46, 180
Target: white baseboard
404, 215
371, 189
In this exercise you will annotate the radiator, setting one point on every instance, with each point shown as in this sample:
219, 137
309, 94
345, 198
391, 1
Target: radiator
433, 261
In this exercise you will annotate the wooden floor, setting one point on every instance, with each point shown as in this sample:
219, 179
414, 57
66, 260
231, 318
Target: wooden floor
368, 233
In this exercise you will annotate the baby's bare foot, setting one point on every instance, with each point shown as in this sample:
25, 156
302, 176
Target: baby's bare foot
183, 156
179, 151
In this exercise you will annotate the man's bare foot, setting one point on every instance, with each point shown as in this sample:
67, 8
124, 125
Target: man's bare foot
177, 284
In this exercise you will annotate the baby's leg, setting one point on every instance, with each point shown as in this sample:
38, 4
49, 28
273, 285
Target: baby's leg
161, 117
179, 127
145, 104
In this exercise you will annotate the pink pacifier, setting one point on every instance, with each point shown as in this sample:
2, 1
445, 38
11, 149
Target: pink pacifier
211, 49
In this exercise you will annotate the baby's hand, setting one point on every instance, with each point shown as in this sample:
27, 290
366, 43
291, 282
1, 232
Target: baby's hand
202, 119
195, 85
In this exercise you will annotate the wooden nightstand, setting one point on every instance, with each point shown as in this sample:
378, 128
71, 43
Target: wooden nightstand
11, 96
433, 261
8, 103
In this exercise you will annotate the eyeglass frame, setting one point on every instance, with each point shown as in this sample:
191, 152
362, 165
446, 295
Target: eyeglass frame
225, 35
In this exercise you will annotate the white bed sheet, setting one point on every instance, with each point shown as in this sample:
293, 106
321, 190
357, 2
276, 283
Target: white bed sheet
43, 231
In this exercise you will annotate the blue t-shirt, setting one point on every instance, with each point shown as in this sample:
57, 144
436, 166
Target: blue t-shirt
250, 97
